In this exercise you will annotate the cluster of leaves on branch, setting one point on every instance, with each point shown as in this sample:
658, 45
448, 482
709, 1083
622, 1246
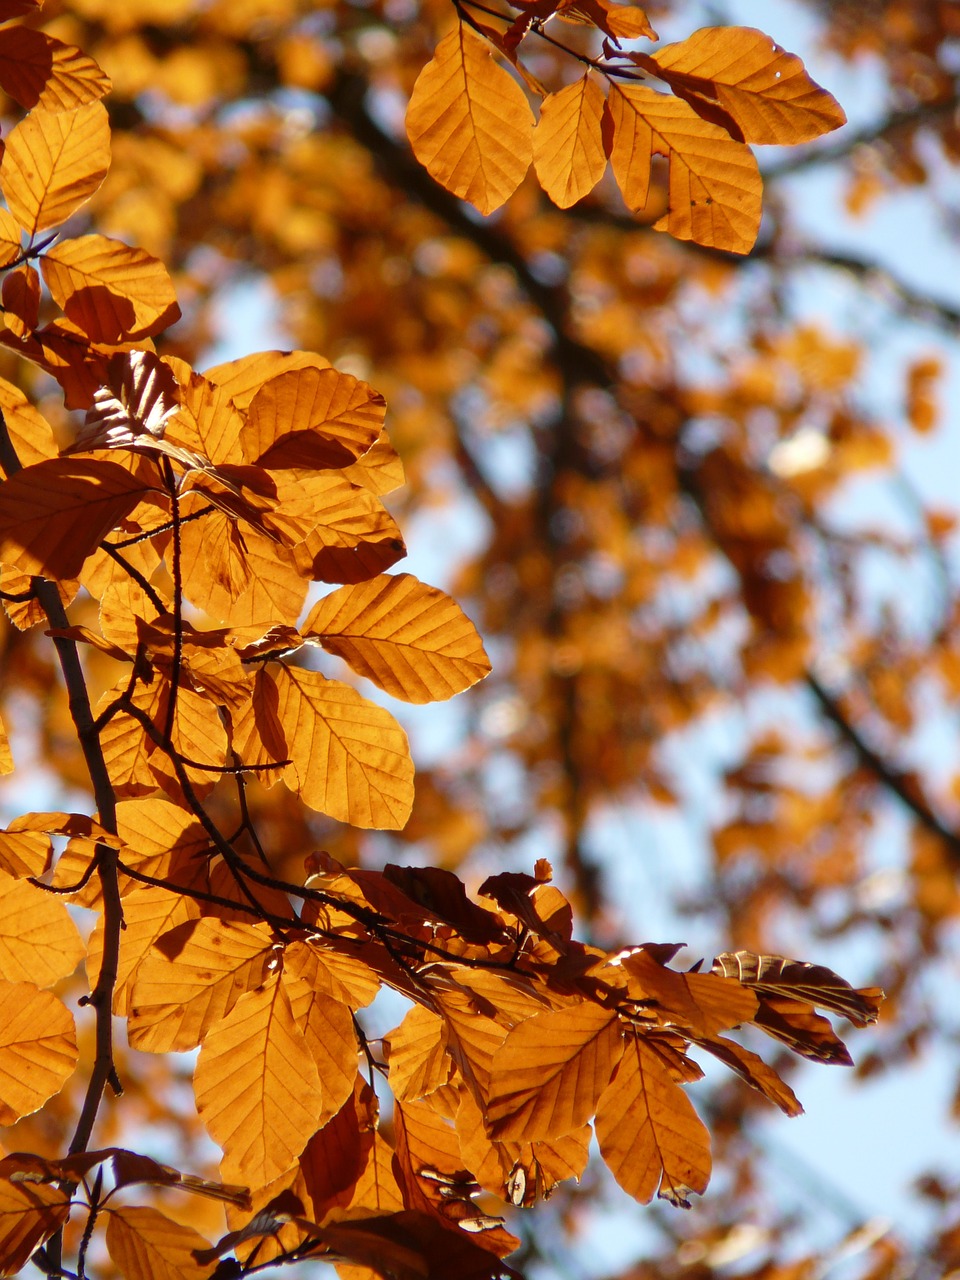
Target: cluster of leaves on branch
186, 519
471, 126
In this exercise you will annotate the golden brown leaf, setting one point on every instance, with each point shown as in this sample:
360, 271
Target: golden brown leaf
36, 69
650, 1136
715, 186
416, 1053
53, 163
55, 513
39, 942
148, 912
146, 1245
330, 1036
766, 91
191, 978
550, 1070
568, 147
20, 295
410, 639
38, 1048
110, 291
349, 757
312, 418
469, 122
29, 1214
257, 1087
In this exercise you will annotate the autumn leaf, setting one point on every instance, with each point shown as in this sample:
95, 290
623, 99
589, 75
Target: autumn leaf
53, 163
469, 122
38, 1048
312, 418
192, 977
29, 1214
348, 757
568, 150
409, 639
765, 90
39, 942
37, 69
257, 1087
714, 182
110, 291
550, 1070
650, 1136
55, 513
147, 1245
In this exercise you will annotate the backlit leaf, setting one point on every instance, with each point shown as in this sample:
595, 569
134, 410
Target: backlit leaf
469, 122
55, 513
110, 291
715, 186
410, 639
36, 68
146, 1245
148, 912
312, 418
550, 1071
39, 942
349, 757
650, 1136
29, 1214
567, 143
38, 1048
766, 91
53, 163
257, 1087
191, 979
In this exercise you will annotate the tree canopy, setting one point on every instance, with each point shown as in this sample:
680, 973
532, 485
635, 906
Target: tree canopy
285, 283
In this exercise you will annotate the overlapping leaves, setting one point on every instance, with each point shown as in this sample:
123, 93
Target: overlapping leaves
470, 125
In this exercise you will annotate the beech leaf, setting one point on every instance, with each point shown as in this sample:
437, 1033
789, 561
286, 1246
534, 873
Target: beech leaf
568, 149
38, 1048
53, 163
714, 181
410, 639
766, 90
469, 122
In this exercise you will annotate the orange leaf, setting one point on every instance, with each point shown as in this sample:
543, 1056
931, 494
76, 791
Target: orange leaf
766, 91
550, 1071
10, 238
38, 1048
37, 69
20, 295
328, 1030
567, 142
55, 513
410, 639
39, 942
715, 184
110, 291
30, 432
469, 122
241, 379
29, 1214
257, 1088
191, 978
148, 913
146, 1245
312, 418
53, 163
650, 1136
416, 1052
349, 757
